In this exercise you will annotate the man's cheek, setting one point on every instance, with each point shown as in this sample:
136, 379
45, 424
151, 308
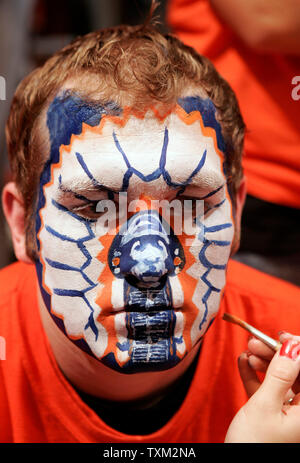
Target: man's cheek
203, 278
68, 271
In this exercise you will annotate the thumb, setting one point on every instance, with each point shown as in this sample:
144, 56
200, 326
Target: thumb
281, 375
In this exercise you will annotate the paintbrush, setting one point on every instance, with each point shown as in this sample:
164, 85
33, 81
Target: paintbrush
275, 345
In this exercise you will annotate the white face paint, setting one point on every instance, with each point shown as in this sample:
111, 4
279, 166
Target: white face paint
150, 255
140, 300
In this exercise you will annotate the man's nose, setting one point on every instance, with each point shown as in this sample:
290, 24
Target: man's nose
147, 260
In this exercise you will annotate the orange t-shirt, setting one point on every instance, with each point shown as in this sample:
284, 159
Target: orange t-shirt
37, 403
263, 85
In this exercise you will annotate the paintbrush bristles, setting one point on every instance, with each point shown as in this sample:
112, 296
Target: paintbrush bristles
232, 318
275, 345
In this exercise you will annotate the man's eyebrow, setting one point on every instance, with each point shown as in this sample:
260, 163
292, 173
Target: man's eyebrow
80, 188
65, 190
75, 186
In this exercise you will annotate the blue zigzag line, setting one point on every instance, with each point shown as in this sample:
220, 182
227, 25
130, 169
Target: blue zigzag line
81, 246
157, 173
216, 228
205, 262
160, 171
213, 192
92, 178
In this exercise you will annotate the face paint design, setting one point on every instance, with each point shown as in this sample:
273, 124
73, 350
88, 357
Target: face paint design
144, 257
147, 252
141, 298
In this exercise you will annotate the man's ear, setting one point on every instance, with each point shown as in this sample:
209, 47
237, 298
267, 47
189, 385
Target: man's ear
14, 212
240, 201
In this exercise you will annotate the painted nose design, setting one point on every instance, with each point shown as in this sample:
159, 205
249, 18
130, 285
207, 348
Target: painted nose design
145, 250
147, 259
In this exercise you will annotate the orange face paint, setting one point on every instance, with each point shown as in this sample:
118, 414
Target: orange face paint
140, 294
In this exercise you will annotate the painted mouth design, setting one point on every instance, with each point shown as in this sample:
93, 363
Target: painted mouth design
147, 300
149, 312
153, 283
151, 327
149, 303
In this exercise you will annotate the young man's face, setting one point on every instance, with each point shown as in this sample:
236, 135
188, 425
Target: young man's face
134, 279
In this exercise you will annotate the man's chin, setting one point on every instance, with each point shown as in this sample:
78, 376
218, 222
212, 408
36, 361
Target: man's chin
140, 366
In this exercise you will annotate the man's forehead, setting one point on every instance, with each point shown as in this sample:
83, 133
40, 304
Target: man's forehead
122, 147
174, 144
69, 112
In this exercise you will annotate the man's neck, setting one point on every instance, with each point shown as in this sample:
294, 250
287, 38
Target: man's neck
90, 376
144, 416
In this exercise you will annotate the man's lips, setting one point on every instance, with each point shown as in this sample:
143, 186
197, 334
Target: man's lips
135, 308
150, 329
159, 283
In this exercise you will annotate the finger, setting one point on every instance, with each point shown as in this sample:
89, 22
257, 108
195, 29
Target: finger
258, 364
284, 336
281, 375
259, 349
248, 375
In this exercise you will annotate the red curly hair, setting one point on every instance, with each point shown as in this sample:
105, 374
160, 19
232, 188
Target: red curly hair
136, 64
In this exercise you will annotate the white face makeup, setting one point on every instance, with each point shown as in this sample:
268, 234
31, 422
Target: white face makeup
138, 298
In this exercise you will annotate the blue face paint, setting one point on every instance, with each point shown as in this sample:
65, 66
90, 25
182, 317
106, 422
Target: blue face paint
146, 231
65, 117
146, 257
208, 113
160, 171
148, 269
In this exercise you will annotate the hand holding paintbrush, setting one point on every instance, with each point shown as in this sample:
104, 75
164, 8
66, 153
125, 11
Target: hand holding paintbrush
269, 416
275, 345
260, 356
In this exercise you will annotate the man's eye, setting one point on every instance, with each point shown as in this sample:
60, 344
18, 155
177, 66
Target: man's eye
92, 211
87, 211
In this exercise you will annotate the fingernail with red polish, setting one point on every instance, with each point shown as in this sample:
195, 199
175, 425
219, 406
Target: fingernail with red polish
290, 349
283, 332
